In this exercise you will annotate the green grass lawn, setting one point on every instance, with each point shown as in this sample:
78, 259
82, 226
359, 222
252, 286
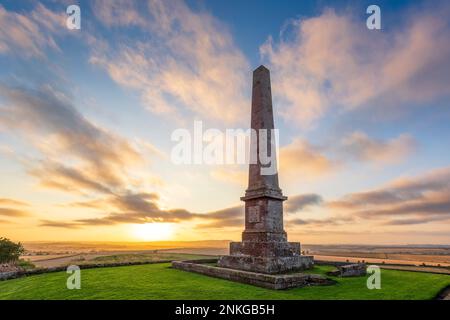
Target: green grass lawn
158, 281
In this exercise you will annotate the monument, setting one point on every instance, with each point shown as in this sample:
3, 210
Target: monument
264, 257
264, 247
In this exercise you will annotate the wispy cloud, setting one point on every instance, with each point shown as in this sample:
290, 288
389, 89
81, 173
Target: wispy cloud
359, 146
306, 160
189, 66
13, 202
47, 118
331, 62
313, 161
118, 13
301, 201
417, 200
333, 221
9, 212
30, 35
12, 208
59, 224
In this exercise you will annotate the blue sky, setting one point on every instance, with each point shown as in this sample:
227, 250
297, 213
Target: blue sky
88, 114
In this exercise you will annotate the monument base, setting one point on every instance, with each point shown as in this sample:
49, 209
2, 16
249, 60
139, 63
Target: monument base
268, 265
270, 281
269, 257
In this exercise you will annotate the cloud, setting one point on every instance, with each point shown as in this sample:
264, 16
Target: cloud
186, 62
13, 208
405, 201
228, 217
79, 156
400, 190
13, 212
333, 62
143, 208
421, 199
12, 202
413, 221
154, 215
311, 161
333, 221
220, 224
423, 206
59, 224
227, 213
360, 147
30, 35
54, 175
47, 118
304, 159
118, 13
301, 201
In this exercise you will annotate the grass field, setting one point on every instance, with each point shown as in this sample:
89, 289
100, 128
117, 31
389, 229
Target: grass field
158, 281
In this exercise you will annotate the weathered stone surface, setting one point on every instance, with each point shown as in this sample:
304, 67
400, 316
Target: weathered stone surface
264, 247
350, 270
277, 282
262, 118
269, 265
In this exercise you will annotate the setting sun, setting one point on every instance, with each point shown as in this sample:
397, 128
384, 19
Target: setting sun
153, 231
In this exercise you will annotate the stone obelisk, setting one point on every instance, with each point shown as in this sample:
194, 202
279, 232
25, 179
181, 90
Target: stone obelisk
264, 247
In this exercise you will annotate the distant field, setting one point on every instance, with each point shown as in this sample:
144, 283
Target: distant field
370, 260
159, 281
112, 257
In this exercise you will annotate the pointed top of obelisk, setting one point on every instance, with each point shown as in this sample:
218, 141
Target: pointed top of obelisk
261, 68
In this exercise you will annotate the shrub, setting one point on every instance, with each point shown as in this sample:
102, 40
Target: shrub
25, 264
10, 251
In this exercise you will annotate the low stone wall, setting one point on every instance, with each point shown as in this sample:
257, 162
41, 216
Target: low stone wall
444, 294
350, 270
277, 282
24, 273
331, 263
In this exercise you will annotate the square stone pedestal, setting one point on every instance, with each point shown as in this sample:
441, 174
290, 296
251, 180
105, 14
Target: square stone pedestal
269, 257
270, 281
267, 265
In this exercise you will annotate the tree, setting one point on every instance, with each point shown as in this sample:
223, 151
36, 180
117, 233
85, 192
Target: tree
10, 251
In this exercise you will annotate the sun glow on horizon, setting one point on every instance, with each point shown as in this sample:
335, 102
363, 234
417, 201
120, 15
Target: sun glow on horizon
153, 231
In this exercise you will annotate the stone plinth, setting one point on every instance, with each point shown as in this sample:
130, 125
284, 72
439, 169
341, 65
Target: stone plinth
277, 282
268, 265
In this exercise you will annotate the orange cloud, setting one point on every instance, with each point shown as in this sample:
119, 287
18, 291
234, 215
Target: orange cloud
13, 209
12, 202
303, 159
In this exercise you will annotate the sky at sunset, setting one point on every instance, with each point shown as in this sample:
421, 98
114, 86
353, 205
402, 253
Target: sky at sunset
86, 118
